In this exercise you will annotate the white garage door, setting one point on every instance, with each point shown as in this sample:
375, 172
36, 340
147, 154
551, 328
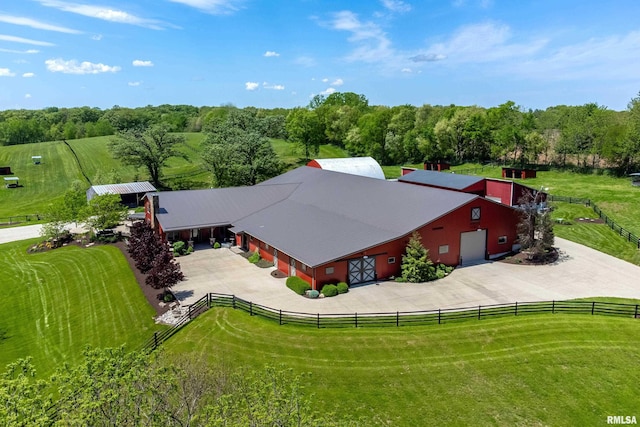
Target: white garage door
473, 246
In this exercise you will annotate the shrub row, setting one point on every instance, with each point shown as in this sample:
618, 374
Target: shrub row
298, 285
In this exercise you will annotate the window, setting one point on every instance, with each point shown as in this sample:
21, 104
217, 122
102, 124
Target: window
391, 260
266, 246
328, 270
475, 214
502, 240
303, 267
443, 249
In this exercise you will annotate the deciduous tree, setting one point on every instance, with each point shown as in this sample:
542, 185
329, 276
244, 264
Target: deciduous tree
149, 148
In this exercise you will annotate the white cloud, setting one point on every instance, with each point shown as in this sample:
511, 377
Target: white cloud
407, 70
5, 72
337, 82
305, 61
397, 6
29, 51
251, 85
214, 7
27, 75
28, 22
105, 13
272, 86
73, 67
141, 63
134, 84
27, 95
484, 42
328, 91
372, 44
96, 37
325, 80
271, 53
15, 39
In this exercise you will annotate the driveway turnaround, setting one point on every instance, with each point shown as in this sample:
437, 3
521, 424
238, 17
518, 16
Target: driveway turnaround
13, 234
581, 272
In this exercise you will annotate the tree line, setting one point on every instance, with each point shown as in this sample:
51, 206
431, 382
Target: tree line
588, 135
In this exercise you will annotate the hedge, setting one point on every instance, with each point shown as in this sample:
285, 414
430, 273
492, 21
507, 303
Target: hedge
343, 288
298, 285
329, 290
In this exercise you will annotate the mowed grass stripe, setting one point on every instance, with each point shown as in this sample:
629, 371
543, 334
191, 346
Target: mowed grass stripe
544, 369
62, 300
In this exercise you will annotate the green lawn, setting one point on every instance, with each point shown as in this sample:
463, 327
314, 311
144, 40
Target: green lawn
58, 302
533, 370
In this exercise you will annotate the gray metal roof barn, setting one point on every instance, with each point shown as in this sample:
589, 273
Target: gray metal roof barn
130, 192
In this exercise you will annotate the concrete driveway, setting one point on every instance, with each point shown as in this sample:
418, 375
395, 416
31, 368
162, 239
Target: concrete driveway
581, 272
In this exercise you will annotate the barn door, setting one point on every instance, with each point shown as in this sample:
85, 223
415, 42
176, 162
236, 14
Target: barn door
473, 246
275, 258
362, 270
292, 267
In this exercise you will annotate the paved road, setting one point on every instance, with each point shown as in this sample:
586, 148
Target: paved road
13, 234
581, 272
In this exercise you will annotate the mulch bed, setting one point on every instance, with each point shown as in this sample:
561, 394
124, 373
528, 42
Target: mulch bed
152, 295
522, 258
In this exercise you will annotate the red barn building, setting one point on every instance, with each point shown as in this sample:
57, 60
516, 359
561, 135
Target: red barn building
327, 226
499, 190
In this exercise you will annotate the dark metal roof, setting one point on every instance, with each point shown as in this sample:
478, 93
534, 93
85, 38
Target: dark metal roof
441, 179
181, 210
331, 215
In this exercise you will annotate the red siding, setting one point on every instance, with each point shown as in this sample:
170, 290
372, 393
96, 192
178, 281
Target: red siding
501, 190
314, 164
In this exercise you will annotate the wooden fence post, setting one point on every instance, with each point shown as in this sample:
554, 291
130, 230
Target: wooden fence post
516, 312
479, 310
250, 308
318, 321
397, 318
280, 318
356, 320
438, 316
155, 340
234, 302
593, 306
553, 307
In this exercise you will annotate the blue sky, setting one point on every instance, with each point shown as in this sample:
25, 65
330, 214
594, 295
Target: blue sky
280, 53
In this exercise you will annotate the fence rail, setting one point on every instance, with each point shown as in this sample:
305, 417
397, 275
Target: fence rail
19, 219
405, 318
622, 232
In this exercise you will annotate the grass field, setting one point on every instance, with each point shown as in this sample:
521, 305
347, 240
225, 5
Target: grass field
58, 302
535, 370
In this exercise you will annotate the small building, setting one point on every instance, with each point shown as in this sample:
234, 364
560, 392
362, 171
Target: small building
362, 166
5, 170
436, 166
518, 173
131, 193
36, 159
11, 182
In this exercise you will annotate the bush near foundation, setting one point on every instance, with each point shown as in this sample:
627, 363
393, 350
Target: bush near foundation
298, 285
329, 290
343, 288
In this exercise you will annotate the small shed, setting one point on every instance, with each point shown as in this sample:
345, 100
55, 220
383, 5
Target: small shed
518, 173
131, 193
362, 166
635, 179
11, 182
36, 159
436, 166
5, 170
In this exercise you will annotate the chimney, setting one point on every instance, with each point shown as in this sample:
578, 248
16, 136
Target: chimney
154, 207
